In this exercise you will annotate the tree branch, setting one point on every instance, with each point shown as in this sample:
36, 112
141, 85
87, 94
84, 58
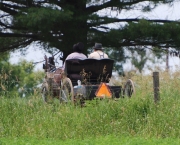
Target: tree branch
17, 44
157, 44
5, 9
112, 20
112, 3
17, 35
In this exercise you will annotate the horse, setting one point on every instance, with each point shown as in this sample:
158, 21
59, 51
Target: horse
52, 81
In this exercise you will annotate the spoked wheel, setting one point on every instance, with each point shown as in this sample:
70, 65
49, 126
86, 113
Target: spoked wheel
129, 88
66, 91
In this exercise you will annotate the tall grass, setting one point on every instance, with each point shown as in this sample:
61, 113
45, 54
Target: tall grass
136, 116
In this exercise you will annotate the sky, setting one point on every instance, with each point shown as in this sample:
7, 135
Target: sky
35, 54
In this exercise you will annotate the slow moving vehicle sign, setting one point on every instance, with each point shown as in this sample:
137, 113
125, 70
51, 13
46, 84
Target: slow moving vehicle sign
103, 91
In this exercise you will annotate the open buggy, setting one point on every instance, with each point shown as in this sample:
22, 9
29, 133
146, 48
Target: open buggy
82, 80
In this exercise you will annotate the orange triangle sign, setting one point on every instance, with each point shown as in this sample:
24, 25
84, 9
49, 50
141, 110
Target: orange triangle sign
103, 91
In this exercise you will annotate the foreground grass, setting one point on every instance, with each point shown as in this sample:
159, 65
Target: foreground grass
132, 121
107, 140
124, 117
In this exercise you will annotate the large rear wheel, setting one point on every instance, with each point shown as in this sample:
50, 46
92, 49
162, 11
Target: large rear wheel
129, 88
66, 91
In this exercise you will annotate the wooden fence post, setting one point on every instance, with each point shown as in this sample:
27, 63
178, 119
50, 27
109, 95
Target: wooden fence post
156, 86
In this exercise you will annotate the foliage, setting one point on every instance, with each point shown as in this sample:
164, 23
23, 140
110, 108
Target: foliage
60, 24
17, 79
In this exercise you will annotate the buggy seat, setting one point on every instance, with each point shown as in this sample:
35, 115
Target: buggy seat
89, 71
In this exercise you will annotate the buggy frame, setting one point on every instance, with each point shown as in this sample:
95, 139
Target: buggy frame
91, 73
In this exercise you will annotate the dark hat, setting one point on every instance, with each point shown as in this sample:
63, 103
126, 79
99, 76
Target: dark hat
78, 47
97, 46
75, 47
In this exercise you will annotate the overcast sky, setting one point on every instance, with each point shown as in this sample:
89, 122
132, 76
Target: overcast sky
162, 12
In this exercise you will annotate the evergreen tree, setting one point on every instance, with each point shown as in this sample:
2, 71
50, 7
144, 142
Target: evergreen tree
61, 23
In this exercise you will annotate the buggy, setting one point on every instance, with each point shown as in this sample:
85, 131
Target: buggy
83, 80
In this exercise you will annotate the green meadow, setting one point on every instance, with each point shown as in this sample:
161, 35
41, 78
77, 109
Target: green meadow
129, 121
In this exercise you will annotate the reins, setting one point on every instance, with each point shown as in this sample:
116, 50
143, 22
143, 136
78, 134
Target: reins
34, 63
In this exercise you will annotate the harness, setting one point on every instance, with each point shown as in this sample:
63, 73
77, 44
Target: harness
101, 55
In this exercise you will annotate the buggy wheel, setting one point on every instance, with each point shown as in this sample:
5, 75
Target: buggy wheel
129, 88
66, 91
44, 94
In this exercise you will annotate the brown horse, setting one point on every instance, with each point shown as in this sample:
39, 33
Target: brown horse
56, 82
53, 78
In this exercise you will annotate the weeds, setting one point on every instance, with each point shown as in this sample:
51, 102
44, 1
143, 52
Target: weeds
136, 116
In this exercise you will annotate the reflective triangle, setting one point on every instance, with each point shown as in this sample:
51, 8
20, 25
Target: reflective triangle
103, 91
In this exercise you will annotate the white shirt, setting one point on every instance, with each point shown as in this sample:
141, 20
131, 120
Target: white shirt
75, 55
98, 54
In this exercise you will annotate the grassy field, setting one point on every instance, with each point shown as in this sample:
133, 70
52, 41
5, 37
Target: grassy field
103, 140
137, 120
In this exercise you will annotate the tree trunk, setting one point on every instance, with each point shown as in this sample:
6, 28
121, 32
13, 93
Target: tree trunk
77, 29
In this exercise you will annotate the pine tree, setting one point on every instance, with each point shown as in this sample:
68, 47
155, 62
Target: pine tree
62, 23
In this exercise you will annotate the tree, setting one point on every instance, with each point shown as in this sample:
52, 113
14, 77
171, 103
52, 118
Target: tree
61, 23
17, 79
